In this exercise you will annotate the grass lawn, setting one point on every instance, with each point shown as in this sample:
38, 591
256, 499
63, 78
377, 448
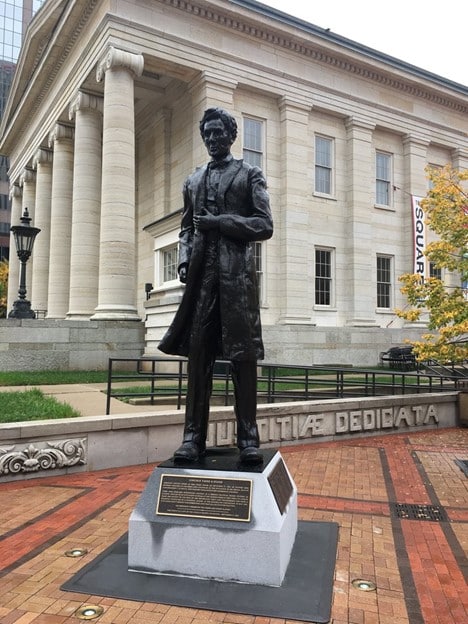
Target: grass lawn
32, 405
46, 378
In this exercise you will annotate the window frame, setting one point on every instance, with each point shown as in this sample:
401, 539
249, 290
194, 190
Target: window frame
329, 279
330, 167
389, 285
246, 150
162, 254
434, 271
388, 182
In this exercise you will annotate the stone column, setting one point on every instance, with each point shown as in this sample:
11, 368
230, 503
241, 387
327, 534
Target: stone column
61, 138
416, 184
117, 258
28, 182
163, 163
84, 259
292, 226
42, 162
459, 161
361, 257
16, 196
209, 90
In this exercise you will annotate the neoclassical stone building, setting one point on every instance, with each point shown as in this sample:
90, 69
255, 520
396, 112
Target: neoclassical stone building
101, 129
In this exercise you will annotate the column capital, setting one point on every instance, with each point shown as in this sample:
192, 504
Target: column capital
28, 175
207, 77
461, 155
43, 156
15, 191
85, 101
414, 139
358, 123
115, 57
60, 131
286, 102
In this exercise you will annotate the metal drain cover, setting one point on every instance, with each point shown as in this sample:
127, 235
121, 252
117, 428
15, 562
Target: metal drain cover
463, 465
433, 513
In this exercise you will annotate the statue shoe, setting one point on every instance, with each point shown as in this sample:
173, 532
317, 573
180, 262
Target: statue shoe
188, 452
251, 455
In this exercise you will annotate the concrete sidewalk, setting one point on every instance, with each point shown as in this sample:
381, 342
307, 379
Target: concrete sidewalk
89, 399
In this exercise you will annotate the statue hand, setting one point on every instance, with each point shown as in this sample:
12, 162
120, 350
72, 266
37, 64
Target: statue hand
206, 222
183, 273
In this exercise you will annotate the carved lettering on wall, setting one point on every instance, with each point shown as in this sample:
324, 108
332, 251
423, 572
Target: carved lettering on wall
306, 426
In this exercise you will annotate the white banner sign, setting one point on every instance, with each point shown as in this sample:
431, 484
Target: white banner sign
419, 237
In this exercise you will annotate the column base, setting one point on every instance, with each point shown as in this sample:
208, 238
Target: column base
115, 313
79, 316
361, 322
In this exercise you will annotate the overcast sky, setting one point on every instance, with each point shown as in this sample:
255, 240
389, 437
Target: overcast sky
430, 34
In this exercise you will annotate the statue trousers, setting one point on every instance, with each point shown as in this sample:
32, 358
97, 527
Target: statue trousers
205, 344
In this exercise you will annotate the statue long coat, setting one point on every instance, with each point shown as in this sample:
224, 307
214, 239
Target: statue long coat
245, 216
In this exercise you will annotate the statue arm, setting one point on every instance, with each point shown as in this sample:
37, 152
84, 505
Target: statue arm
185, 235
258, 225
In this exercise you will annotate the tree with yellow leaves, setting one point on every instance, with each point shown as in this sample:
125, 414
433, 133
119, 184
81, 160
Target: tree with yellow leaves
446, 212
3, 287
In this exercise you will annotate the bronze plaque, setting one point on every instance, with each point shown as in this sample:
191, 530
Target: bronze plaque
205, 497
281, 485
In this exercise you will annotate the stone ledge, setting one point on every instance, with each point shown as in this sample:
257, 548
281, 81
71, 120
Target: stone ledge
129, 439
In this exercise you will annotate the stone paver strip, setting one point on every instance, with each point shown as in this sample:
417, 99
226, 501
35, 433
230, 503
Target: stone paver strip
417, 565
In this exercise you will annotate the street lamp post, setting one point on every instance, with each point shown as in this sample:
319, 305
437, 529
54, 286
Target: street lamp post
24, 236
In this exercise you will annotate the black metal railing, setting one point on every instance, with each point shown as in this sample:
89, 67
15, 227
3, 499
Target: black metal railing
164, 380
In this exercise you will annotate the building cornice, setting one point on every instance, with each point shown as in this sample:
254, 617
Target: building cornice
328, 48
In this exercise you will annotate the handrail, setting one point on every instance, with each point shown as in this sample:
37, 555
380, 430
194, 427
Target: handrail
166, 378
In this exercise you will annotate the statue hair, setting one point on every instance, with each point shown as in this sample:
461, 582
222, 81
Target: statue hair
219, 113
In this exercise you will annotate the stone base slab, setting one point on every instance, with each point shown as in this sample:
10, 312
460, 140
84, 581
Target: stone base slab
255, 551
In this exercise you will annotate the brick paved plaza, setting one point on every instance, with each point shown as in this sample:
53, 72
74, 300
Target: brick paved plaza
418, 565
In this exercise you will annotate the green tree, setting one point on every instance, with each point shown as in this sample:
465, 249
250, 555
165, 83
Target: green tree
446, 213
3, 288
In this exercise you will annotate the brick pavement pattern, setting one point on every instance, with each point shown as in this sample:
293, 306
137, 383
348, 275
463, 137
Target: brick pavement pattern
418, 564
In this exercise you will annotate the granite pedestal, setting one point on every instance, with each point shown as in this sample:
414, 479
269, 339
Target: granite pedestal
204, 535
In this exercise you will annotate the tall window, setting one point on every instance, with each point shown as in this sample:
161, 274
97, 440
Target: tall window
258, 252
253, 142
383, 177
323, 277
435, 271
384, 282
170, 261
3, 163
4, 202
323, 165
430, 183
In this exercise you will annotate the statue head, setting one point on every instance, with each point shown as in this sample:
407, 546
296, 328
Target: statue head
228, 120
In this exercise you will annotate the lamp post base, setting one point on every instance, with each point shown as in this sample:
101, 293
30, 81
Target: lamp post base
22, 310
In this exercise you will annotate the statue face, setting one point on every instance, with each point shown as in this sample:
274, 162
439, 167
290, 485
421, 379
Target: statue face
217, 139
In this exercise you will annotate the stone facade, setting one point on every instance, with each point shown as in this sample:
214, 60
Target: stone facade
102, 128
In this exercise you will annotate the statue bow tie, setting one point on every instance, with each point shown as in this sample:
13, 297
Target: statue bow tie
218, 164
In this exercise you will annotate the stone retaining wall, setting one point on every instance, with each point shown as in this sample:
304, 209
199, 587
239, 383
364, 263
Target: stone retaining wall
56, 447
49, 344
